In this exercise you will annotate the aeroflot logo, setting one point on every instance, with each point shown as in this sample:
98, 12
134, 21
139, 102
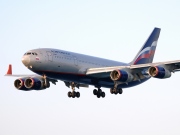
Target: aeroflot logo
60, 52
146, 52
37, 58
148, 49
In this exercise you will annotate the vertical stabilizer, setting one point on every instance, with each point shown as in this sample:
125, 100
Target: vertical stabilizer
146, 53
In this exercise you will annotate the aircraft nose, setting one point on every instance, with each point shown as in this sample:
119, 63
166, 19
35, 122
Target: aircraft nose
25, 60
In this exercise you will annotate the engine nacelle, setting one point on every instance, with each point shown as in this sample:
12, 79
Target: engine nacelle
35, 83
121, 75
159, 72
19, 84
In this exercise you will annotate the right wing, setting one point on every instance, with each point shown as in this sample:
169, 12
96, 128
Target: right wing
9, 73
68, 84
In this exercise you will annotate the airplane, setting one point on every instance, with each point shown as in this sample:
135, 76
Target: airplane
79, 70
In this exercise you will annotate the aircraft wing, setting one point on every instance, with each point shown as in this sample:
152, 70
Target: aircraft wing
173, 66
9, 73
21, 75
175, 63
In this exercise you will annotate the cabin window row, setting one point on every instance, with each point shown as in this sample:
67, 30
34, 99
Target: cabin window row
81, 61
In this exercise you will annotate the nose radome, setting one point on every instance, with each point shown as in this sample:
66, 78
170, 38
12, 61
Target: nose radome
25, 60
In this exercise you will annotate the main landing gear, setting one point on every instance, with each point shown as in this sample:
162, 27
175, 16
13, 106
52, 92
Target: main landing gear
99, 93
73, 94
116, 91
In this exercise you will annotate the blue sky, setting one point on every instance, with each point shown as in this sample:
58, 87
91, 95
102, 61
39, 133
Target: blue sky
110, 29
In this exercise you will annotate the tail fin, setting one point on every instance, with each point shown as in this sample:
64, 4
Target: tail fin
146, 53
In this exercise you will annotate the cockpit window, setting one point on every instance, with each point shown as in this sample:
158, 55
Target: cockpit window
31, 53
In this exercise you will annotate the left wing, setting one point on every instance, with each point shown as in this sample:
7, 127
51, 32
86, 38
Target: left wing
143, 69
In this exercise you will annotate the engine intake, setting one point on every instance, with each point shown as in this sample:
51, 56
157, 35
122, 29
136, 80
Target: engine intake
159, 72
121, 75
35, 83
19, 84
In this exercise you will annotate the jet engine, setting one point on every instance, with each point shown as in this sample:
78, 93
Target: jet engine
36, 83
121, 75
159, 72
19, 84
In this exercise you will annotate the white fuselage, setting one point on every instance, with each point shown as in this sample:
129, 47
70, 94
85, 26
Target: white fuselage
68, 66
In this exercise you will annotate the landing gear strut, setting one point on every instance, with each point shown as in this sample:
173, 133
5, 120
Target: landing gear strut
115, 90
46, 82
73, 94
99, 93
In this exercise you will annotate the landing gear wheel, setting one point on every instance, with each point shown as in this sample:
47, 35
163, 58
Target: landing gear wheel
98, 95
99, 91
116, 91
95, 92
73, 94
120, 91
77, 94
103, 94
111, 91
69, 94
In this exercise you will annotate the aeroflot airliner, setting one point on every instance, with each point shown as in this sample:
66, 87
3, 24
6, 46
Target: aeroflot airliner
78, 70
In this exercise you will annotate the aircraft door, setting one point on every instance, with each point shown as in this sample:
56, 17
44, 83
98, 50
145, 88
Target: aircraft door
50, 56
40, 57
75, 61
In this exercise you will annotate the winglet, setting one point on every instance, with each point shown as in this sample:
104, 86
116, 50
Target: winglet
9, 72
